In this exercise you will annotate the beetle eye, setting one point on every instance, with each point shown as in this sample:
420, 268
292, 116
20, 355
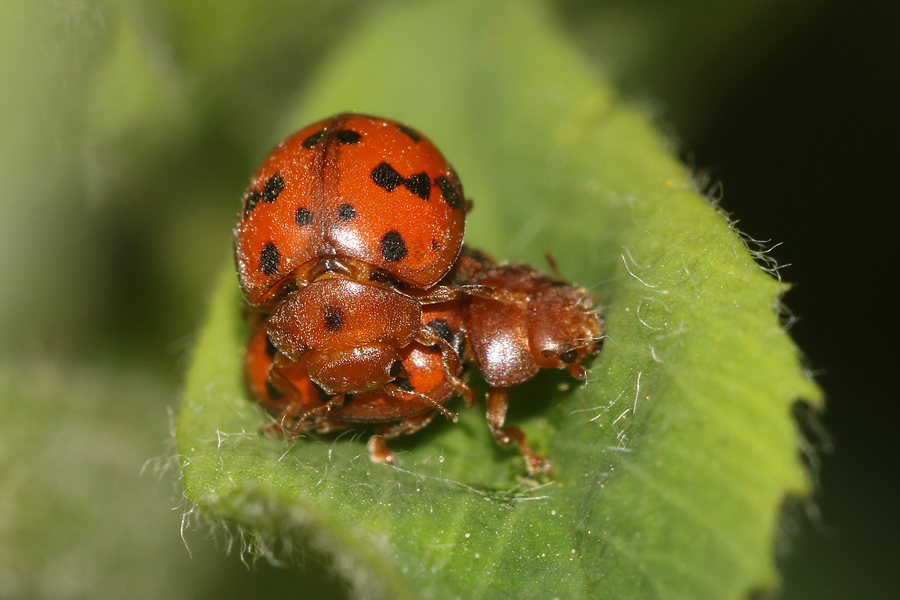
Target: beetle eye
569, 356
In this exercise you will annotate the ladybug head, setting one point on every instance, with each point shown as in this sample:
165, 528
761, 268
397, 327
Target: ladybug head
564, 329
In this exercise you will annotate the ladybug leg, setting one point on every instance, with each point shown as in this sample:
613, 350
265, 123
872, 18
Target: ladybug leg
450, 362
294, 416
377, 446
446, 293
501, 295
283, 424
273, 427
577, 371
290, 425
497, 404
404, 395
285, 402
325, 425
322, 425
379, 451
442, 293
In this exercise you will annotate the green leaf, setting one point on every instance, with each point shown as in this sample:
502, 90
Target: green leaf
672, 462
84, 513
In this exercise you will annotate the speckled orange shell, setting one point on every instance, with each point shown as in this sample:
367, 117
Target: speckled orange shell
355, 187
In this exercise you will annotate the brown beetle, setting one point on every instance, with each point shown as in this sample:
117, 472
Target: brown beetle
529, 322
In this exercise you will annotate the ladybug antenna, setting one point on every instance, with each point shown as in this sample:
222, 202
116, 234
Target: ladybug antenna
553, 267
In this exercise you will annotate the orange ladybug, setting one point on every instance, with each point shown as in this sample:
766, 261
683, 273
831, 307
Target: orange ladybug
344, 232
405, 405
528, 322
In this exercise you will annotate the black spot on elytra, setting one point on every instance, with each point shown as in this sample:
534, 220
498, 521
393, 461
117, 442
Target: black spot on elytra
385, 176
313, 139
440, 327
348, 136
346, 212
273, 187
269, 258
412, 133
404, 384
334, 318
273, 392
419, 184
271, 350
251, 199
452, 195
303, 217
271, 190
393, 248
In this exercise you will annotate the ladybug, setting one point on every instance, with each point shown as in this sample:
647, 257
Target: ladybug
516, 321
528, 322
405, 405
345, 230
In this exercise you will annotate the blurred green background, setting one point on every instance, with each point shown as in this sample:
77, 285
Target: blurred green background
129, 129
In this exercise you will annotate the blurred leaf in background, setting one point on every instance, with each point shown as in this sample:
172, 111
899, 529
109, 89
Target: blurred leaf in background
682, 60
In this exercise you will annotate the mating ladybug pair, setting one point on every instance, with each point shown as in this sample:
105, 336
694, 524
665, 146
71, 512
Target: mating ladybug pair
367, 306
